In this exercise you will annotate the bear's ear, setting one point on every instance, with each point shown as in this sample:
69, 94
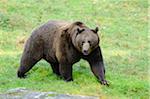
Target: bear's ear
95, 30
80, 30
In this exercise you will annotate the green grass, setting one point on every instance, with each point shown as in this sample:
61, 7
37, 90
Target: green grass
124, 42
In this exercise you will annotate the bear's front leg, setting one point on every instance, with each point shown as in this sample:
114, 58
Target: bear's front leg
66, 71
95, 60
99, 71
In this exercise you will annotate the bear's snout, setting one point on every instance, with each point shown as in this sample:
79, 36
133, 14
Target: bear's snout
85, 52
86, 49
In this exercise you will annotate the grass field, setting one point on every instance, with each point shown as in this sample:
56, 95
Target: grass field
124, 42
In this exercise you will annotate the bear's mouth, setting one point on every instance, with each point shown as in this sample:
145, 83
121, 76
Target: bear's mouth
85, 52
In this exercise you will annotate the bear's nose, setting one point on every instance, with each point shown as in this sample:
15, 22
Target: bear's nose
85, 52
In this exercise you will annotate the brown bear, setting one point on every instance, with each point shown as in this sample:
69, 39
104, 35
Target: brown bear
62, 44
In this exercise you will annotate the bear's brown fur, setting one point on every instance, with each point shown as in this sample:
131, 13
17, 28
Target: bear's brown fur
62, 44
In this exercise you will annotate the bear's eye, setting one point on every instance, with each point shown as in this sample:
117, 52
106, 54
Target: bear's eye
83, 42
89, 42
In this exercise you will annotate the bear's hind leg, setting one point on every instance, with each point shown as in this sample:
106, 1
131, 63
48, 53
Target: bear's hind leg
27, 62
31, 55
24, 69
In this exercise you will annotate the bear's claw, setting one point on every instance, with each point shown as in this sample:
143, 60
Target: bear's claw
20, 75
104, 82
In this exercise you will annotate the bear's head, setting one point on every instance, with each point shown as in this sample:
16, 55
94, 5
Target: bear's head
84, 39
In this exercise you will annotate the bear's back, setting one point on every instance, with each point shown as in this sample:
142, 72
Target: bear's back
49, 28
46, 36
